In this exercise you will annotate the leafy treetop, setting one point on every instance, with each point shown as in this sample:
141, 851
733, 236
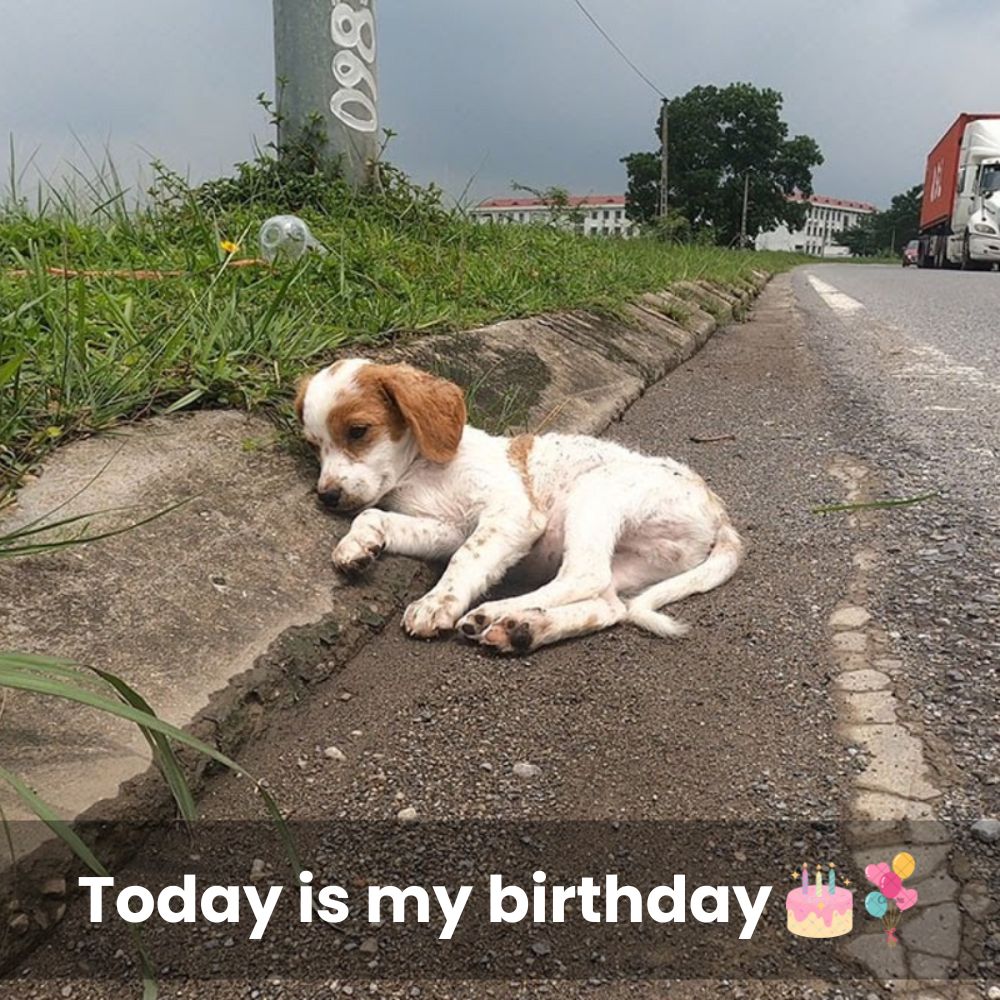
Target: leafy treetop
718, 138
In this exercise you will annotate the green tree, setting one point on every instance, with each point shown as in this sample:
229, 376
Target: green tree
720, 140
861, 240
900, 222
642, 198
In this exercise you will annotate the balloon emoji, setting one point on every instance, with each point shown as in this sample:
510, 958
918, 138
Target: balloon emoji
890, 884
876, 904
906, 898
904, 865
874, 873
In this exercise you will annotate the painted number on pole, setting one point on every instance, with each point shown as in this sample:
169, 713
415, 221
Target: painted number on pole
354, 103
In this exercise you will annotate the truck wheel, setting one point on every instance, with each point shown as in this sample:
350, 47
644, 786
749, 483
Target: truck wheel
968, 264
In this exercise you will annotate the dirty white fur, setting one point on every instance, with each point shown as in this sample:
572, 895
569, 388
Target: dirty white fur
605, 534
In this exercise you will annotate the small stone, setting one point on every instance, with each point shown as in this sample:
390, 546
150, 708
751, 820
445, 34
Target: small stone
977, 901
19, 923
994, 993
258, 870
986, 830
862, 680
850, 617
54, 887
522, 769
345, 696
407, 815
334, 753
541, 948
850, 642
66, 991
369, 946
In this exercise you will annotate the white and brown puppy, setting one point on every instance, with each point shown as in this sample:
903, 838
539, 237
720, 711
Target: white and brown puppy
605, 534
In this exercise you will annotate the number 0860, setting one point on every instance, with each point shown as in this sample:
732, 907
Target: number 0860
354, 31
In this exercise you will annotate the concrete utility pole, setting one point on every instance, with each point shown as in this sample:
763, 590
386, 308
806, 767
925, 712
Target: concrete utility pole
746, 208
325, 62
664, 161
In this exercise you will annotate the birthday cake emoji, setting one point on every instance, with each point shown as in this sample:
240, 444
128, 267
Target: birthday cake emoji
823, 910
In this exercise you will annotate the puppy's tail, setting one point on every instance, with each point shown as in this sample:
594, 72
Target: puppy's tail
721, 563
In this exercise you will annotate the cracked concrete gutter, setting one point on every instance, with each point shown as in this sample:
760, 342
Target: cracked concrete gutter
206, 610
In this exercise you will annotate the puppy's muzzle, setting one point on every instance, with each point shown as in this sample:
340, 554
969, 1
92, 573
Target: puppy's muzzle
330, 498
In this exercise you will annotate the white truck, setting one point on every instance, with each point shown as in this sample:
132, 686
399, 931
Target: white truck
960, 213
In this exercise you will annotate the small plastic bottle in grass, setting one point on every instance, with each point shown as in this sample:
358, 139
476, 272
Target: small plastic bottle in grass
287, 238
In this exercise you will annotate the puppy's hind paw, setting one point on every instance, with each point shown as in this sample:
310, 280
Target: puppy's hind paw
474, 624
517, 633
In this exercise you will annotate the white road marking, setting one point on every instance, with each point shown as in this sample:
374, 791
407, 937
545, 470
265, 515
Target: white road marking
936, 364
837, 300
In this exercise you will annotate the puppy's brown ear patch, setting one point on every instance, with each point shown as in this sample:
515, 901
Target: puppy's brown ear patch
300, 396
433, 408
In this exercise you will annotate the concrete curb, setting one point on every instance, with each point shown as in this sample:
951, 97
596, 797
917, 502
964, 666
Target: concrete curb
227, 610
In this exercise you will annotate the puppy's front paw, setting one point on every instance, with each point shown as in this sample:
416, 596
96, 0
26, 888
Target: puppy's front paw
431, 615
357, 551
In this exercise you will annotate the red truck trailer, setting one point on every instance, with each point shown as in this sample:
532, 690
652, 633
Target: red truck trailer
961, 204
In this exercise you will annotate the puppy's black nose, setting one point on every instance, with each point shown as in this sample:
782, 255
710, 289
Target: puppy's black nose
329, 498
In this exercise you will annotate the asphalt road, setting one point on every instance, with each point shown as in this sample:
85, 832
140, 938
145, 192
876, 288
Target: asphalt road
917, 370
739, 721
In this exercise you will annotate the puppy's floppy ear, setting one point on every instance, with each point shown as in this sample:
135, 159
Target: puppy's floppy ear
300, 395
433, 408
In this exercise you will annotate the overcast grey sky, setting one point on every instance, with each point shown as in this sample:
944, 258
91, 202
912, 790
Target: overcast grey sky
524, 89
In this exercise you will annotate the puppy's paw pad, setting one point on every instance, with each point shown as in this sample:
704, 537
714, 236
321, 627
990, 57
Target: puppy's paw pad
474, 624
511, 635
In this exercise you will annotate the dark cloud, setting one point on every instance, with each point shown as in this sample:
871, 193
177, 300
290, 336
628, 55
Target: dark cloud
523, 90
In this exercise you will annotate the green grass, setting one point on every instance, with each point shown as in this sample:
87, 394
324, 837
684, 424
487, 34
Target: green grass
80, 355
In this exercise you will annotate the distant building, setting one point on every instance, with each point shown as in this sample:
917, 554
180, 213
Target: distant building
826, 218
596, 214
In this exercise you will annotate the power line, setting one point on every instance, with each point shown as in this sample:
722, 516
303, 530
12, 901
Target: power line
593, 20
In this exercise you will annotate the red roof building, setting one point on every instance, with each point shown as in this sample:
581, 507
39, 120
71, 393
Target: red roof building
592, 214
826, 217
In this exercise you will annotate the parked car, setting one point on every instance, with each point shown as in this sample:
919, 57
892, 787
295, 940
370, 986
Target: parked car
911, 253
